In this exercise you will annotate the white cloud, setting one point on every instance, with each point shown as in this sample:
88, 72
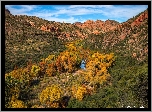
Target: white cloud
123, 12
28, 7
90, 6
24, 9
67, 20
58, 13
76, 11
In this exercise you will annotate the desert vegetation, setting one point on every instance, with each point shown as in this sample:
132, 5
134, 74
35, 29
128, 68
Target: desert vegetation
43, 58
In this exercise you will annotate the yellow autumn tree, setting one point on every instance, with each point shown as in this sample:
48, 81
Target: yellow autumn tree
50, 71
70, 59
47, 65
79, 91
50, 94
17, 104
16, 81
97, 67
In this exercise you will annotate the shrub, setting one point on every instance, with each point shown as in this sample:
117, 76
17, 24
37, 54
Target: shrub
79, 92
50, 71
103, 98
17, 104
50, 94
97, 68
70, 59
54, 105
74, 103
16, 81
35, 71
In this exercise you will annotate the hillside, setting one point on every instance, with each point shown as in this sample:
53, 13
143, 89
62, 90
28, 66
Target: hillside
43, 58
129, 38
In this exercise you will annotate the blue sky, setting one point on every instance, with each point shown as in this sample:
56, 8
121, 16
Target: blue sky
78, 13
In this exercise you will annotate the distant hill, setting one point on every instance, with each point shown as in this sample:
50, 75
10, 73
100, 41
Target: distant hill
128, 38
30, 36
7, 12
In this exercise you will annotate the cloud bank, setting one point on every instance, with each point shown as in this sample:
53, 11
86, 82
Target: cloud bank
78, 13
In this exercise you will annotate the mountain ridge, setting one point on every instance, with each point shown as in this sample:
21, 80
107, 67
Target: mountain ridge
110, 34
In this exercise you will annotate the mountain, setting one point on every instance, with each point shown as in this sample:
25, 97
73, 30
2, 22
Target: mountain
7, 12
128, 38
35, 35
98, 26
43, 58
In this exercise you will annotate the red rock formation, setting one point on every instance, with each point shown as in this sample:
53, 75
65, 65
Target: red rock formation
50, 28
31, 23
122, 36
43, 28
98, 25
96, 32
67, 35
140, 19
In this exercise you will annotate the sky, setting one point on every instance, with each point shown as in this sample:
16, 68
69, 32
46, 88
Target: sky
78, 13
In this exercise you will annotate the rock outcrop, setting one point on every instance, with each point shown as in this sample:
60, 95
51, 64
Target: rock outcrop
140, 19
97, 26
30, 23
49, 28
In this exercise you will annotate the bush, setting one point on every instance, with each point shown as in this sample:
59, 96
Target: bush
97, 68
17, 104
35, 71
104, 98
131, 81
79, 92
50, 94
16, 82
74, 103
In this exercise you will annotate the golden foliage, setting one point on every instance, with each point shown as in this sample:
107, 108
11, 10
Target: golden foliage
15, 81
15, 92
17, 104
69, 60
35, 70
20, 74
35, 106
97, 67
50, 69
66, 61
52, 93
54, 105
49, 59
79, 92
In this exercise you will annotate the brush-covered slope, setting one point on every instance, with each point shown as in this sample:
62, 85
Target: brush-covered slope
116, 56
128, 39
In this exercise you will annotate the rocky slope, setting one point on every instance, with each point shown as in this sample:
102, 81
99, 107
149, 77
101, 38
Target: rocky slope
128, 38
29, 35
98, 26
